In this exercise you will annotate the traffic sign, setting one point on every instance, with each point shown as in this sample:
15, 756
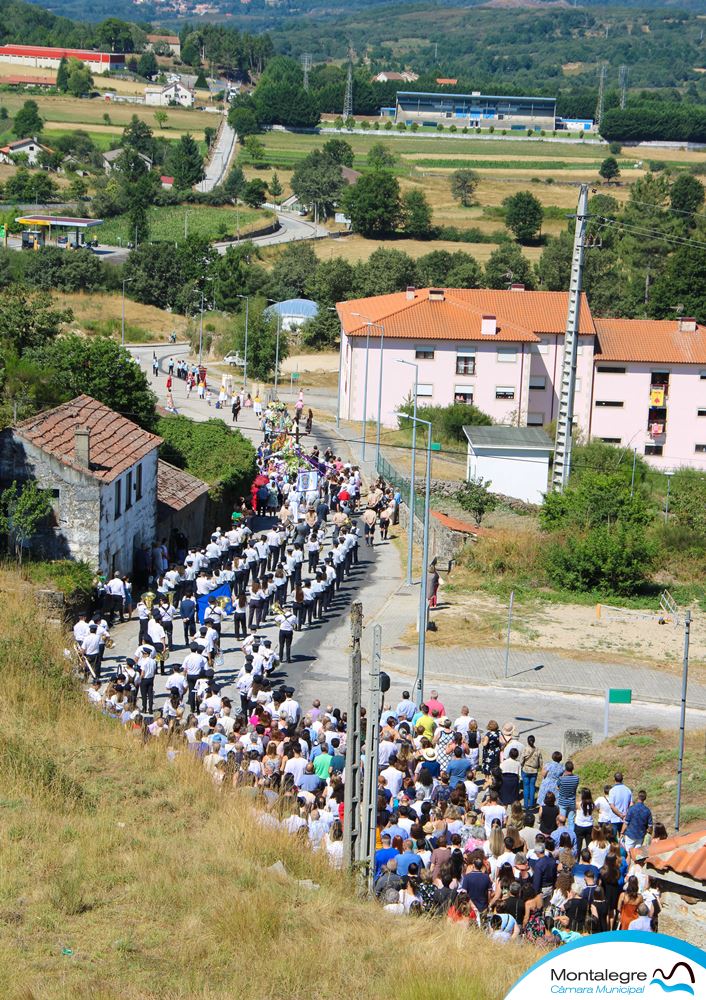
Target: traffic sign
295, 376
435, 446
619, 696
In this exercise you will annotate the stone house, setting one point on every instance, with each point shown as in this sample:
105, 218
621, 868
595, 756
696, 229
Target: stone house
101, 469
30, 148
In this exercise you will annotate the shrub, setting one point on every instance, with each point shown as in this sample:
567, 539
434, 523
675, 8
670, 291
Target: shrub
447, 421
615, 559
475, 497
478, 131
388, 126
401, 127
615, 148
211, 451
491, 128
376, 126
415, 126
439, 127
598, 498
530, 131
687, 500
453, 128
465, 129
365, 124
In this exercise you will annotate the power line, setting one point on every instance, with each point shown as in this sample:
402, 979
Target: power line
638, 231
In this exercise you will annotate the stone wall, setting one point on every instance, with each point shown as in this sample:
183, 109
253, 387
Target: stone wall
444, 544
121, 537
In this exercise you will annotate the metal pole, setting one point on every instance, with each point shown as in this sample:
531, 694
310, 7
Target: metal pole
666, 508
606, 714
365, 389
351, 801
634, 463
410, 537
419, 682
338, 396
122, 323
372, 743
377, 436
245, 366
279, 324
682, 717
201, 333
509, 626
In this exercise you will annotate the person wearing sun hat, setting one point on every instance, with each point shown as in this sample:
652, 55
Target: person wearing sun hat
509, 739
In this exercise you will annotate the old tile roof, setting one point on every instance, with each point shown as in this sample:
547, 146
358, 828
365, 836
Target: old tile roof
177, 489
521, 316
454, 523
116, 443
650, 340
683, 854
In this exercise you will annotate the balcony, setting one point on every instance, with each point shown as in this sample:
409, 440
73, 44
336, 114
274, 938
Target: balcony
657, 422
659, 395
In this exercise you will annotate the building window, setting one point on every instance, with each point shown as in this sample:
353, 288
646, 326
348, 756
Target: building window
702, 375
504, 392
118, 498
424, 354
535, 419
508, 355
138, 482
465, 364
611, 369
425, 389
701, 413
701, 448
653, 449
128, 490
538, 382
609, 402
610, 440
463, 394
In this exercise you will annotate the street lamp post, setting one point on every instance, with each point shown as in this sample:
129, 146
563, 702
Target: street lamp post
340, 367
370, 323
245, 366
410, 540
279, 330
201, 333
422, 648
122, 321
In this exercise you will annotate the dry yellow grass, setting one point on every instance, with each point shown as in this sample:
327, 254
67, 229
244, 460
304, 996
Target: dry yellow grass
128, 876
62, 112
354, 248
101, 307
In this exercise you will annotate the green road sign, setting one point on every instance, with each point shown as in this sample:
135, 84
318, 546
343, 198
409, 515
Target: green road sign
619, 696
435, 446
2, 232
295, 376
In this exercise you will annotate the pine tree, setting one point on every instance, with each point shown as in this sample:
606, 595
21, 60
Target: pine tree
62, 76
185, 163
275, 187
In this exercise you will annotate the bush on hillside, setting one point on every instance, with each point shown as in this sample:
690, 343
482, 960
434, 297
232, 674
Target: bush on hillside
447, 421
687, 500
616, 559
597, 456
221, 457
598, 498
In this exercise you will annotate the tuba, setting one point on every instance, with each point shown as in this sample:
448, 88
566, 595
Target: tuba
277, 608
223, 601
149, 599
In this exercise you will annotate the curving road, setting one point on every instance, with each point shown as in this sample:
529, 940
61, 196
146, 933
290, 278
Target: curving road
218, 164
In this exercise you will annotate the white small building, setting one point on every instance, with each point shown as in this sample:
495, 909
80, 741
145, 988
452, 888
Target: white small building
30, 148
293, 313
172, 93
514, 459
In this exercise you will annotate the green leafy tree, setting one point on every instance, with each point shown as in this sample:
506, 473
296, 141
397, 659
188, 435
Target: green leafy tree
687, 501
475, 497
609, 169
254, 192
451, 270
373, 204
184, 162
28, 319
463, 185
385, 271
332, 281
262, 341
339, 151
28, 121
62, 75
381, 157
234, 182
103, 369
147, 65
275, 187
317, 181
77, 189
681, 283
255, 149
508, 264
52, 268
238, 273
523, 215
614, 559
687, 194
596, 498
160, 116
115, 35
22, 510
80, 81
138, 135
322, 331
201, 83
244, 121
416, 215
293, 272
212, 451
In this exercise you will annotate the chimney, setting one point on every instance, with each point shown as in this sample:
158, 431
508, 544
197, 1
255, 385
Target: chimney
488, 326
411, 292
686, 324
83, 446
436, 295
517, 286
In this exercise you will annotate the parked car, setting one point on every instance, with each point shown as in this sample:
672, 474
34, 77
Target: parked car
234, 359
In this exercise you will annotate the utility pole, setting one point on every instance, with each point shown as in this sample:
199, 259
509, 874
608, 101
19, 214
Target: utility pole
348, 99
370, 775
682, 717
601, 97
351, 801
565, 415
306, 66
623, 84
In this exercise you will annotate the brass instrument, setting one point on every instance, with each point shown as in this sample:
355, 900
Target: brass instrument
149, 599
223, 601
109, 643
277, 608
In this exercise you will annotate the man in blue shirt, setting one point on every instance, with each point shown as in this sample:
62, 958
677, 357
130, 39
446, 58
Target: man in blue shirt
478, 886
406, 708
544, 874
568, 785
408, 858
383, 855
457, 767
638, 822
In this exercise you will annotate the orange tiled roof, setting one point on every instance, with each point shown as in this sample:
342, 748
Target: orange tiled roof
683, 855
454, 524
652, 340
116, 443
521, 316
176, 488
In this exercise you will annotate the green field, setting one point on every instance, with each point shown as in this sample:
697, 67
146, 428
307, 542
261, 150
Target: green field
169, 223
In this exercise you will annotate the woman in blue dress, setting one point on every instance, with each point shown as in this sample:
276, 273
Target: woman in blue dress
553, 770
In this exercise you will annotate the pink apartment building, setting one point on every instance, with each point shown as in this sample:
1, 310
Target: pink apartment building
502, 351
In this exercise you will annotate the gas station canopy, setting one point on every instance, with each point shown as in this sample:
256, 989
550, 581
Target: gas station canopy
59, 221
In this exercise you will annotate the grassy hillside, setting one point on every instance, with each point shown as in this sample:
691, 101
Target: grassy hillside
126, 876
648, 759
